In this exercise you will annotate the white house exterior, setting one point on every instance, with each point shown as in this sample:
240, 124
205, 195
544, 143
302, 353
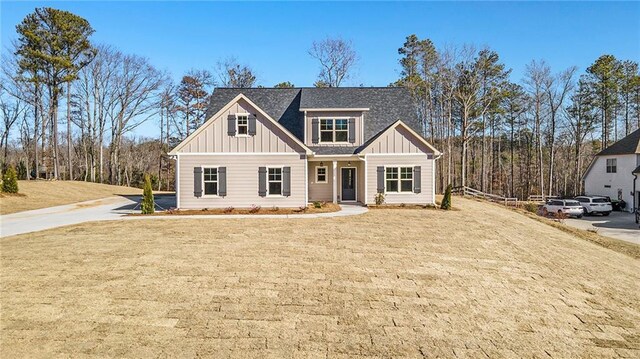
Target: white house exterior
613, 172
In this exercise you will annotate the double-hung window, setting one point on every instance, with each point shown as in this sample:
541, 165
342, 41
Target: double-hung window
612, 165
274, 181
334, 130
242, 125
399, 179
321, 174
210, 180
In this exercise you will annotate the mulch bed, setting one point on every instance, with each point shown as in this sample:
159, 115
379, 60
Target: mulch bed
326, 208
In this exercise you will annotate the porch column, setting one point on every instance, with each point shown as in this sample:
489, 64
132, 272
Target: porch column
335, 181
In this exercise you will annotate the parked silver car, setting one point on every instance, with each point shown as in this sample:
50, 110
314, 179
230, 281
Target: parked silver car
593, 205
569, 207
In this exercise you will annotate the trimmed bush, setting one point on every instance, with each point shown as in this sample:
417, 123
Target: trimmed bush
446, 201
10, 181
379, 199
147, 205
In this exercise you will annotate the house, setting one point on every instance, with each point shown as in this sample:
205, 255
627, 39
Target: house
289, 147
613, 171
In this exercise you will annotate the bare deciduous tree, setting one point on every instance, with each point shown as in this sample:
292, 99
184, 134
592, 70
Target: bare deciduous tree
232, 74
337, 60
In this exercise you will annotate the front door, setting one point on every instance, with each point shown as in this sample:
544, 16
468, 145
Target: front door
348, 184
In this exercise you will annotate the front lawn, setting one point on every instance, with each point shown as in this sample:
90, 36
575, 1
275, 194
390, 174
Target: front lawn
482, 281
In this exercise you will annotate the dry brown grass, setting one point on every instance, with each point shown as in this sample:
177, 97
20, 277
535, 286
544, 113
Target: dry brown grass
483, 281
42, 194
326, 208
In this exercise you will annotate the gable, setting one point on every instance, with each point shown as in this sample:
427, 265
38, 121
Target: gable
398, 138
212, 137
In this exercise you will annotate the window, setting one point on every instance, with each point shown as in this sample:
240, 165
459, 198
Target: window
321, 174
399, 179
334, 130
210, 181
612, 165
274, 181
242, 124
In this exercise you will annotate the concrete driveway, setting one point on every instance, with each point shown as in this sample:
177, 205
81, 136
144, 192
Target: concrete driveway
618, 225
118, 207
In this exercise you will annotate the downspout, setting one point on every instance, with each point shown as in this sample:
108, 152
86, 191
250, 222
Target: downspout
635, 205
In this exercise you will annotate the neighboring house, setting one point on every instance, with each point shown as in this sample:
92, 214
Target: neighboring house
289, 147
613, 171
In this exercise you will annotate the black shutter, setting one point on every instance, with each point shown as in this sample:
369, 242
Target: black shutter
315, 130
286, 181
222, 181
197, 181
262, 181
417, 179
352, 130
231, 125
252, 125
380, 179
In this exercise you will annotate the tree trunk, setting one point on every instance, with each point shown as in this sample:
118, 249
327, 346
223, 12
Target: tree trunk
70, 169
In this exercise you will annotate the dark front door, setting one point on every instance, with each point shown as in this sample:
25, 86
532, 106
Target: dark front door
348, 184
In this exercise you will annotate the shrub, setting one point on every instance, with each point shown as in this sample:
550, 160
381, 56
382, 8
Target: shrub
446, 201
10, 181
275, 209
531, 207
302, 208
254, 209
148, 205
228, 210
22, 170
317, 204
379, 199
561, 216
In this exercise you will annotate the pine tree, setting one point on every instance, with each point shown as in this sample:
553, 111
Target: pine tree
446, 201
10, 181
147, 196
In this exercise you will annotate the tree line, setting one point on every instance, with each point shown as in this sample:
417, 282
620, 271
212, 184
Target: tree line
69, 109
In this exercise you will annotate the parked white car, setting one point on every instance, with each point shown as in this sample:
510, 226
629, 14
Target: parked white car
569, 207
593, 205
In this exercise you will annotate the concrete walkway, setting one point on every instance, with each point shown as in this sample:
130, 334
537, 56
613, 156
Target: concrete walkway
117, 208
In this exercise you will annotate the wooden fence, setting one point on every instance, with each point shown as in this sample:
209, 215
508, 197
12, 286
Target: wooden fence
468, 191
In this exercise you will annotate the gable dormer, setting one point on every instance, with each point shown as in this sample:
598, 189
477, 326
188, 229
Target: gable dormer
334, 127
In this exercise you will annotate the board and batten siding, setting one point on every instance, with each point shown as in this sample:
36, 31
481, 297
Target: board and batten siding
399, 140
426, 195
242, 180
357, 115
214, 137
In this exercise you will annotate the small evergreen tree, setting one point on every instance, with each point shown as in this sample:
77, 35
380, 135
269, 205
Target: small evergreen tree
22, 170
147, 197
446, 201
10, 181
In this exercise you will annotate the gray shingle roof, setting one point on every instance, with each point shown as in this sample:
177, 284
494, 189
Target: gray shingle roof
626, 146
333, 150
386, 105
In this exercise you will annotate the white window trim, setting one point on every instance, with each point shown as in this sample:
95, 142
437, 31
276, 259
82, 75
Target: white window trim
399, 179
237, 125
217, 167
606, 165
281, 182
326, 174
333, 119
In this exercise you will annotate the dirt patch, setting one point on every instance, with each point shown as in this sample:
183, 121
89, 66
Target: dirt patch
326, 208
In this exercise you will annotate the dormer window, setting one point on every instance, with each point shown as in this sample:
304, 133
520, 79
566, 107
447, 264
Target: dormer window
334, 130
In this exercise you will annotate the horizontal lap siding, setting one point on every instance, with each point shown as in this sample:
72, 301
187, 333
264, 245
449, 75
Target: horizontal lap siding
426, 195
320, 191
242, 180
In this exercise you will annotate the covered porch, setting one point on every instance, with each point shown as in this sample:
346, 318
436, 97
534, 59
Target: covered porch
337, 179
